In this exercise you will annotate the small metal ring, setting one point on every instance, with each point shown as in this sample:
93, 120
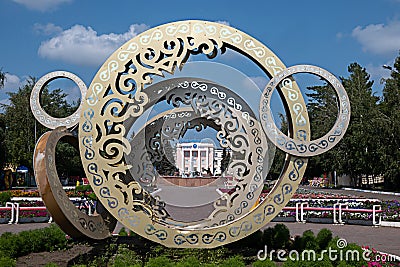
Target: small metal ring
300, 146
41, 115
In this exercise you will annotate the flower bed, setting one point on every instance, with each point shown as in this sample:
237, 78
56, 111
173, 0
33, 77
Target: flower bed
303, 193
391, 209
81, 191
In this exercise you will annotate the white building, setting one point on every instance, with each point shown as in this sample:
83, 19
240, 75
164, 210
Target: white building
194, 157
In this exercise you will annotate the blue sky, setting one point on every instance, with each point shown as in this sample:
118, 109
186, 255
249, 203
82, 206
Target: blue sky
39, 36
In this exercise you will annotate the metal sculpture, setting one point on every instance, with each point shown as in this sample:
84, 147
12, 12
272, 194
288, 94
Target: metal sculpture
119, 162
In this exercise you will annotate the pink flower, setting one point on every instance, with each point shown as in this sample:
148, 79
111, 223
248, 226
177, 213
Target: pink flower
374, 263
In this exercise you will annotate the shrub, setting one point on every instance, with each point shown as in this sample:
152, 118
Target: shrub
190, 261
160, 261
308, 241
83, 188
281, 236
323, 238
126, 257
268, 237
236, 261
346, 250
325, 262
5, 197
123, 232
7, 262
255, 240
10, 245
265, 263
46, 239
205, 256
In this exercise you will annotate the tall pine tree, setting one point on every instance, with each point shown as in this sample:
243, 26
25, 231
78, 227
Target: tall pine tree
390, 133
357, 154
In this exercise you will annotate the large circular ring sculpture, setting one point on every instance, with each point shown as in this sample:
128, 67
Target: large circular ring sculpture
119, 162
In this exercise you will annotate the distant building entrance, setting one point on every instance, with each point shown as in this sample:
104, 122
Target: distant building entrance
195, 159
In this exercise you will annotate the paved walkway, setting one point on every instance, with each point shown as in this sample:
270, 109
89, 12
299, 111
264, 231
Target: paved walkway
16, 228
385, 239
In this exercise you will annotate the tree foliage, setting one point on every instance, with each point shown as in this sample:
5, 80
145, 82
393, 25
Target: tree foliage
370, 146
389, 134
359, 151
22, 130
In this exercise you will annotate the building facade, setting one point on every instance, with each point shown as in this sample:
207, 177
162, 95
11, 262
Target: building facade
195, 158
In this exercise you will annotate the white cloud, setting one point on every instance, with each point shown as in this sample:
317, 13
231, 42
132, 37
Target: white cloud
48, 29
379, 38
12, 83
82, 45
378, 73
42, 5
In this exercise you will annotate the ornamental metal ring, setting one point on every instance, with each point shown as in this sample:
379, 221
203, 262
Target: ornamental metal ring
41, 115
300, 146
246, 190
118, 93
238, 129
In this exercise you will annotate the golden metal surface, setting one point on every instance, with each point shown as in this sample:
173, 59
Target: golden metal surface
248, 186
73, 221
102, 131
119, 163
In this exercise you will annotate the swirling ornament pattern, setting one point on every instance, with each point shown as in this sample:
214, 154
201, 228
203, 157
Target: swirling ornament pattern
163, 53
176, 124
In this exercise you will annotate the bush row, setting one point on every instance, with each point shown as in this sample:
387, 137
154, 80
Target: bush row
16, 245
244, 252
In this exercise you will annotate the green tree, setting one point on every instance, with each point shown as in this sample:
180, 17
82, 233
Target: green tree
358, 153
166, 166
323, 110
226, 158
22, 128
2, 125
390, 133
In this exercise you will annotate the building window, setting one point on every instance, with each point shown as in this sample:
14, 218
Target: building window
186, 154
203, 154
195, 154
